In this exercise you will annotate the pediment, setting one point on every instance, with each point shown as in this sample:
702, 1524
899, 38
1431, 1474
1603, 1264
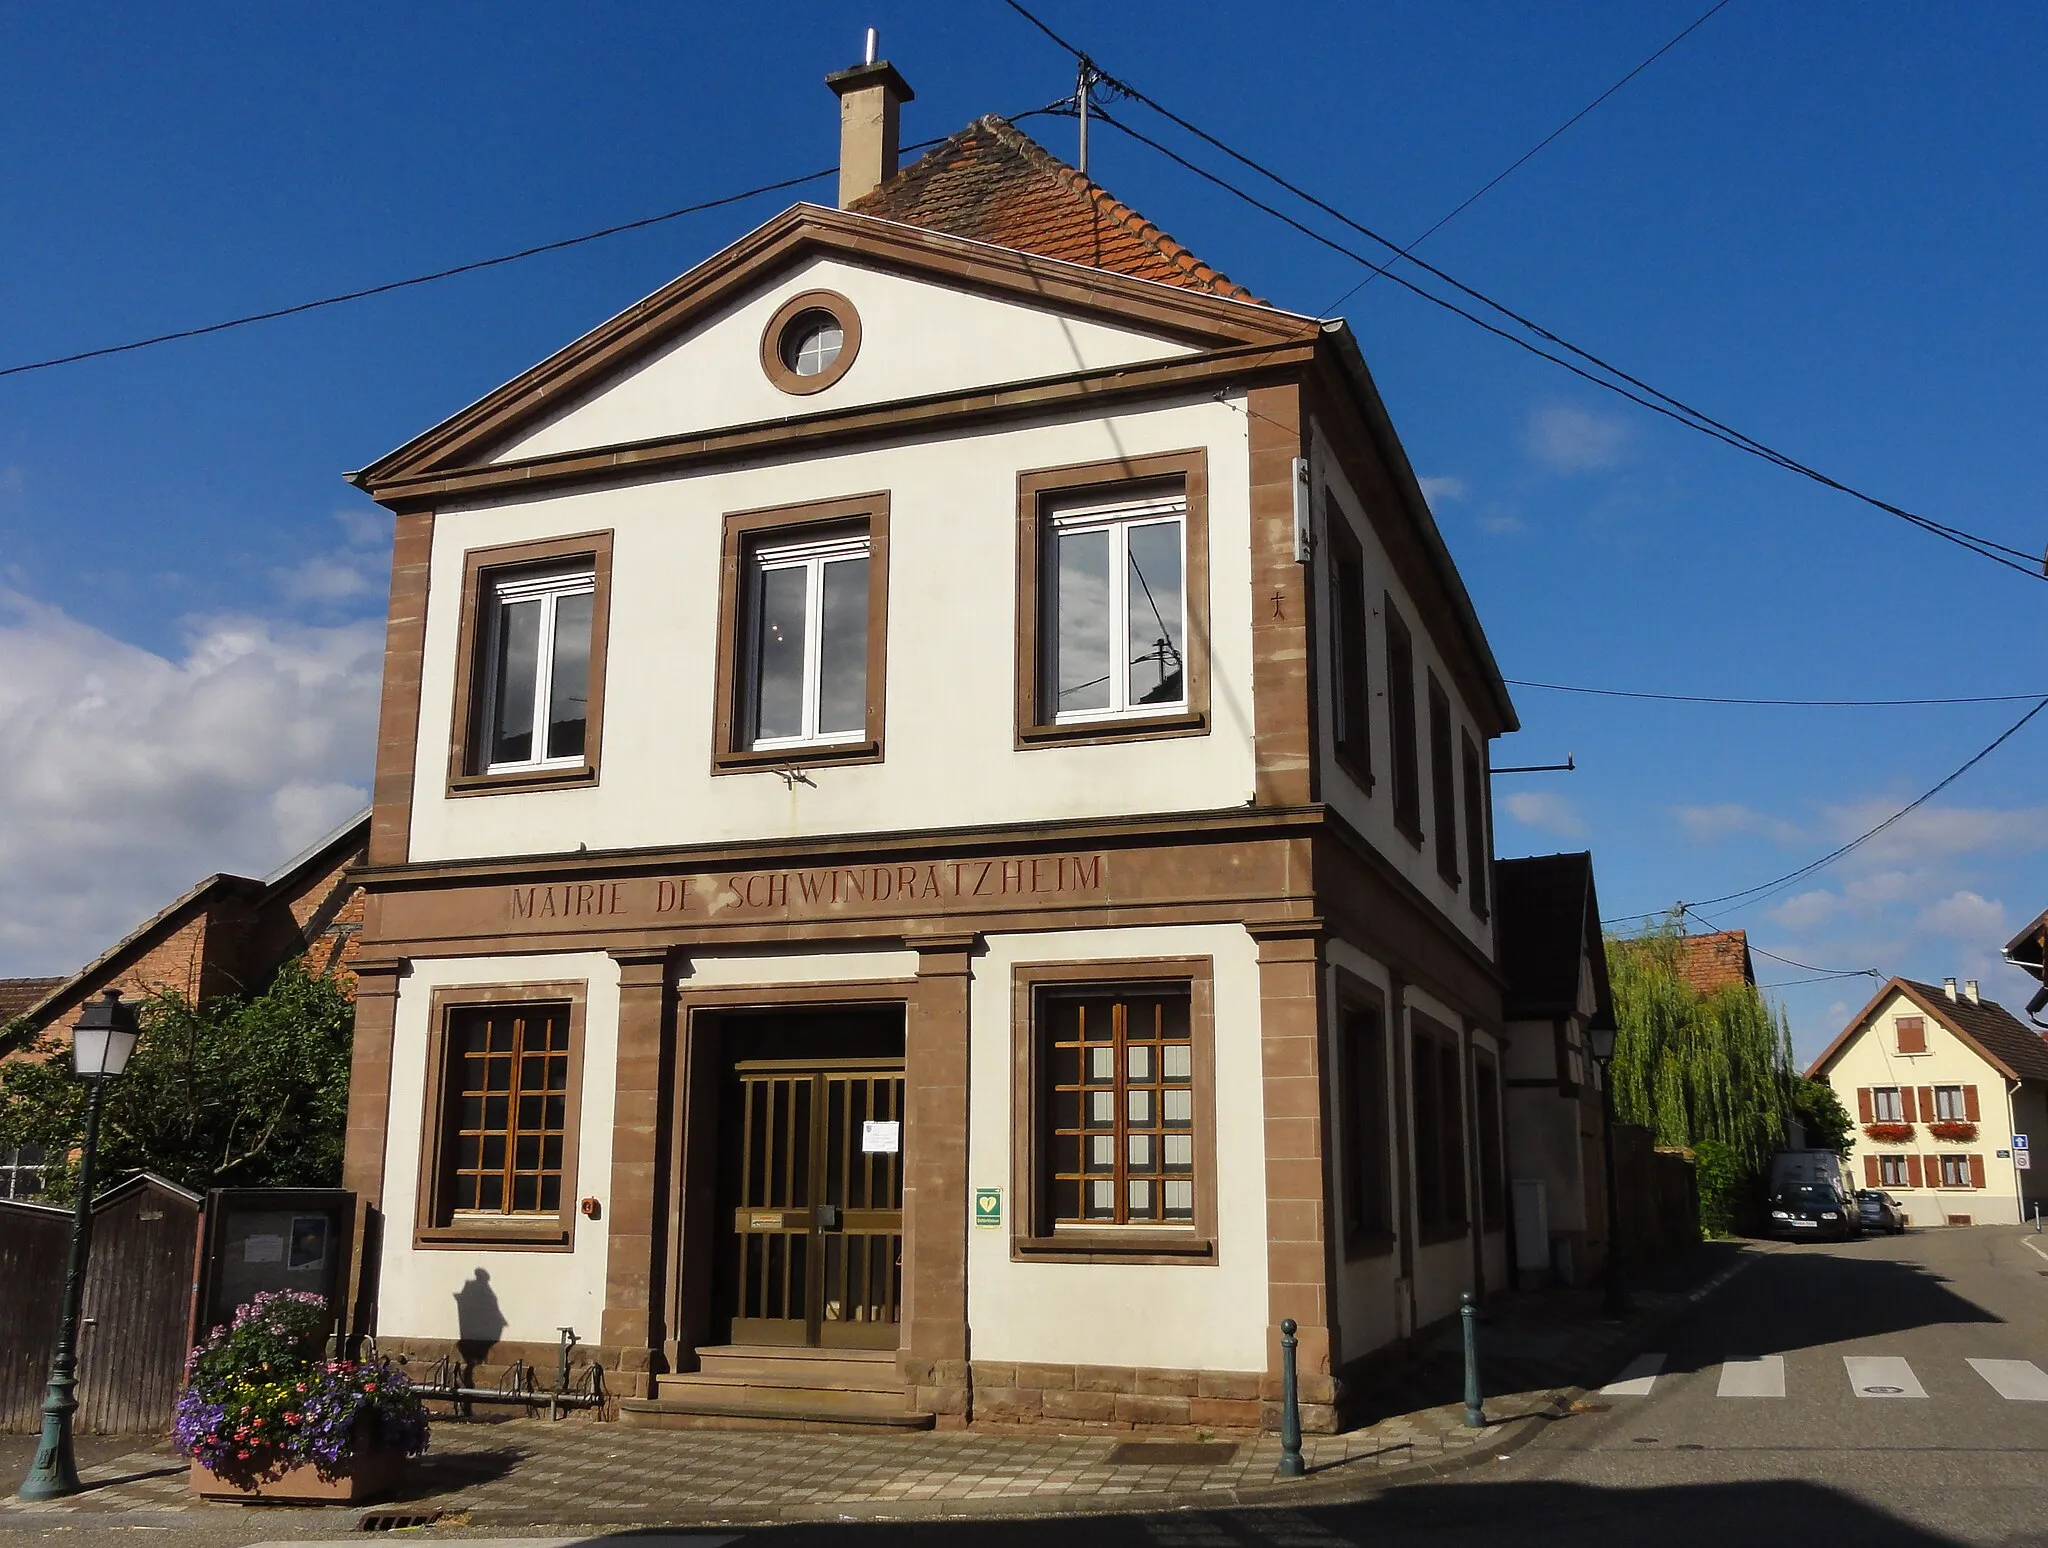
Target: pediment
936, 315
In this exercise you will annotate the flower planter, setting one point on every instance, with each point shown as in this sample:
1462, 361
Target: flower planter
1889, 1133
1953, 1129
364, 1476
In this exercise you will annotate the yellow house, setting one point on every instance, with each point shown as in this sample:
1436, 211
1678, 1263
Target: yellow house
1948, 1089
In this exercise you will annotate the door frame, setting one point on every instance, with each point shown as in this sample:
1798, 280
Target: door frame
691, 1203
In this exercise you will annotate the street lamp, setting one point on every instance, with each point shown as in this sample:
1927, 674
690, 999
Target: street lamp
100, 1045
1601, 1041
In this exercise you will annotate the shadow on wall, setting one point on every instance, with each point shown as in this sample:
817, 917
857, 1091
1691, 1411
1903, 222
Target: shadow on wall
479, 1322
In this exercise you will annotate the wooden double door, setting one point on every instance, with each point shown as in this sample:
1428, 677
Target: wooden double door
812, 1170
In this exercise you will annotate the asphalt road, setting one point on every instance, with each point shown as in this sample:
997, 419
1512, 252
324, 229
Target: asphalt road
1826, 1396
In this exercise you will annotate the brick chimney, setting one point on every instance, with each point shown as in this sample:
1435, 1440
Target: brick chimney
871, 98
1970, 991
1948, 987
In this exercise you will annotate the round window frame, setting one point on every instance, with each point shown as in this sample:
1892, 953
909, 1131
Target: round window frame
833, 305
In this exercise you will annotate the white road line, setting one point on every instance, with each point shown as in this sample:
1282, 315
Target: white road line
1761, 1377
2018, 1381
2034, 1247
1637, 1378
1882, 1376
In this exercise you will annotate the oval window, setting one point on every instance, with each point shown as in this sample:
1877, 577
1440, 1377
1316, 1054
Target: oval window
812, 342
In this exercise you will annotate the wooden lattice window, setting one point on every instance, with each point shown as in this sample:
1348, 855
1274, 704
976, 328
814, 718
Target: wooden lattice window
510, 1090
1120, 1083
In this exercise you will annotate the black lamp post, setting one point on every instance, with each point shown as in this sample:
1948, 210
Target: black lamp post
100, 1045
1601, 1040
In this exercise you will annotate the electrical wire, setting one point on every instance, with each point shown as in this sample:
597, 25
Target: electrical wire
1810, 967
1703, 698
1671, 407
1530, 154
449, 273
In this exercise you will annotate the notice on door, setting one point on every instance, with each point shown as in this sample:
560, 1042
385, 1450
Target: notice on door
879, 1137
262, 1249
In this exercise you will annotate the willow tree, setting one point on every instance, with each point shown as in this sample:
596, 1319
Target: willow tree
1693, 1068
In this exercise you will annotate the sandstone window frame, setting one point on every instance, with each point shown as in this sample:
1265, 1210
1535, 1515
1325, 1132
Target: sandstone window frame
744, 531
469, 772
436, 1225
1039, 490
1032, 1236
781, 331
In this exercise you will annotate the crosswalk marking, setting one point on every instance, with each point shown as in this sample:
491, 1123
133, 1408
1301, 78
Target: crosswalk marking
1637, 1378
1882, 1376
2018, 1381
1763, 1377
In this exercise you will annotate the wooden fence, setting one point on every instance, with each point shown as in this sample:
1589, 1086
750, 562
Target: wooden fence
136, 1320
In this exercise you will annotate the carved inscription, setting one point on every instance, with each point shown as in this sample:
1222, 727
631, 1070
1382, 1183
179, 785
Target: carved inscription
937, 886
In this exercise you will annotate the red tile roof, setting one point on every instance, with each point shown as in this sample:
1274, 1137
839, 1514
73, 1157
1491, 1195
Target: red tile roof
1710, 962
990, 183
18, 994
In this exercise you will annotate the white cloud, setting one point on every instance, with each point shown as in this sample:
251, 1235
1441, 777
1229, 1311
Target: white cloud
1939, 832
1445, 488
132, 775
1706, 824
1546, 812
1967, 916
1574, 440
329, 578
12, 480
1804, 910
1499, 521
365, 529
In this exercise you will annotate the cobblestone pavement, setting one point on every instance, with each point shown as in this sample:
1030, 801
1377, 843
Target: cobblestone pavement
530, 1471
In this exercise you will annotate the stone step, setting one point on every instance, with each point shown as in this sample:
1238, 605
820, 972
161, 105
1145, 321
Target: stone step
687, 1403
841, 1370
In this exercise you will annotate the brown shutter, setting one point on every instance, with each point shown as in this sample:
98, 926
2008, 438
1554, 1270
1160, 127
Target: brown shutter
1863, 1108
1912, 1171
1927, 1107
1906, 1105
1970, 1106
1976, 1171
1870, 1171
1934, 1171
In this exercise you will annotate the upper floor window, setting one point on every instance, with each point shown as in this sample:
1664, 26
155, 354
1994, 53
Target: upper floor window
1912, 1031
810, 342
1443, 779
537, 687
1478, 852
1116, 608
1350, 683
1112, 600
803, 610
807, 646
1885, 1106
1952, 1104
1407, 760
530, 683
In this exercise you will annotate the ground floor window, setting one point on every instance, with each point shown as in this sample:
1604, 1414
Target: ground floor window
498, 1148
1439, 1110
1493, 1210
1118, 1114
21, 1171
1962, 1171
1891, 1172
1368, 1211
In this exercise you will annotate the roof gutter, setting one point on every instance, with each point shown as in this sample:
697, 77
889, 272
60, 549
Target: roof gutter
1388, 443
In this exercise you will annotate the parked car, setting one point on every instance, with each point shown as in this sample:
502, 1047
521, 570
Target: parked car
1880, 1211
1812, 1209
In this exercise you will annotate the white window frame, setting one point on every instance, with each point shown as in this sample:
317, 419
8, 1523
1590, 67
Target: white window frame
1950, 1096
1891, 1172
548, 587
1117, 519
811, 556
1882, 1097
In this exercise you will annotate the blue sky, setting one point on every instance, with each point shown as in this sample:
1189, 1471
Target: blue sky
1822, 223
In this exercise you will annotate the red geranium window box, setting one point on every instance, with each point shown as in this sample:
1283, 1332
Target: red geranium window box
1889, 1133
1952, 1129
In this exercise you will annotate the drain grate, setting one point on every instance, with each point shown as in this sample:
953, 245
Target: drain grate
1173, 1453
395, 1520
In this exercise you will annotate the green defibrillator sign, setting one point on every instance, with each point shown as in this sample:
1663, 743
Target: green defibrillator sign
988, 1207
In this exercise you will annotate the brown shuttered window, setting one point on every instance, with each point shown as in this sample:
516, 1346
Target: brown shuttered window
1486, 1114
1443, 780
1907, 1106
1870, 1174
1478, 851
1865, 1112
1937, 1173
1976, 1171
1912, 1032
1407, 752
1970, 1109
1912, 1171
1350, 690
1927, 1108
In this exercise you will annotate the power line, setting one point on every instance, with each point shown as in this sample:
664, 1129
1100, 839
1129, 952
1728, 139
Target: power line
1702, 698
1530, 154
1756, 894
1671, 407
449, 273
1809, 967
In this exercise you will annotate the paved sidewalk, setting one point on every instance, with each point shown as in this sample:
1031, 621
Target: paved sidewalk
528, 1472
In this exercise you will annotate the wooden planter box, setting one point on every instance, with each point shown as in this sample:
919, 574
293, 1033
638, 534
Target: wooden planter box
362, 1477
